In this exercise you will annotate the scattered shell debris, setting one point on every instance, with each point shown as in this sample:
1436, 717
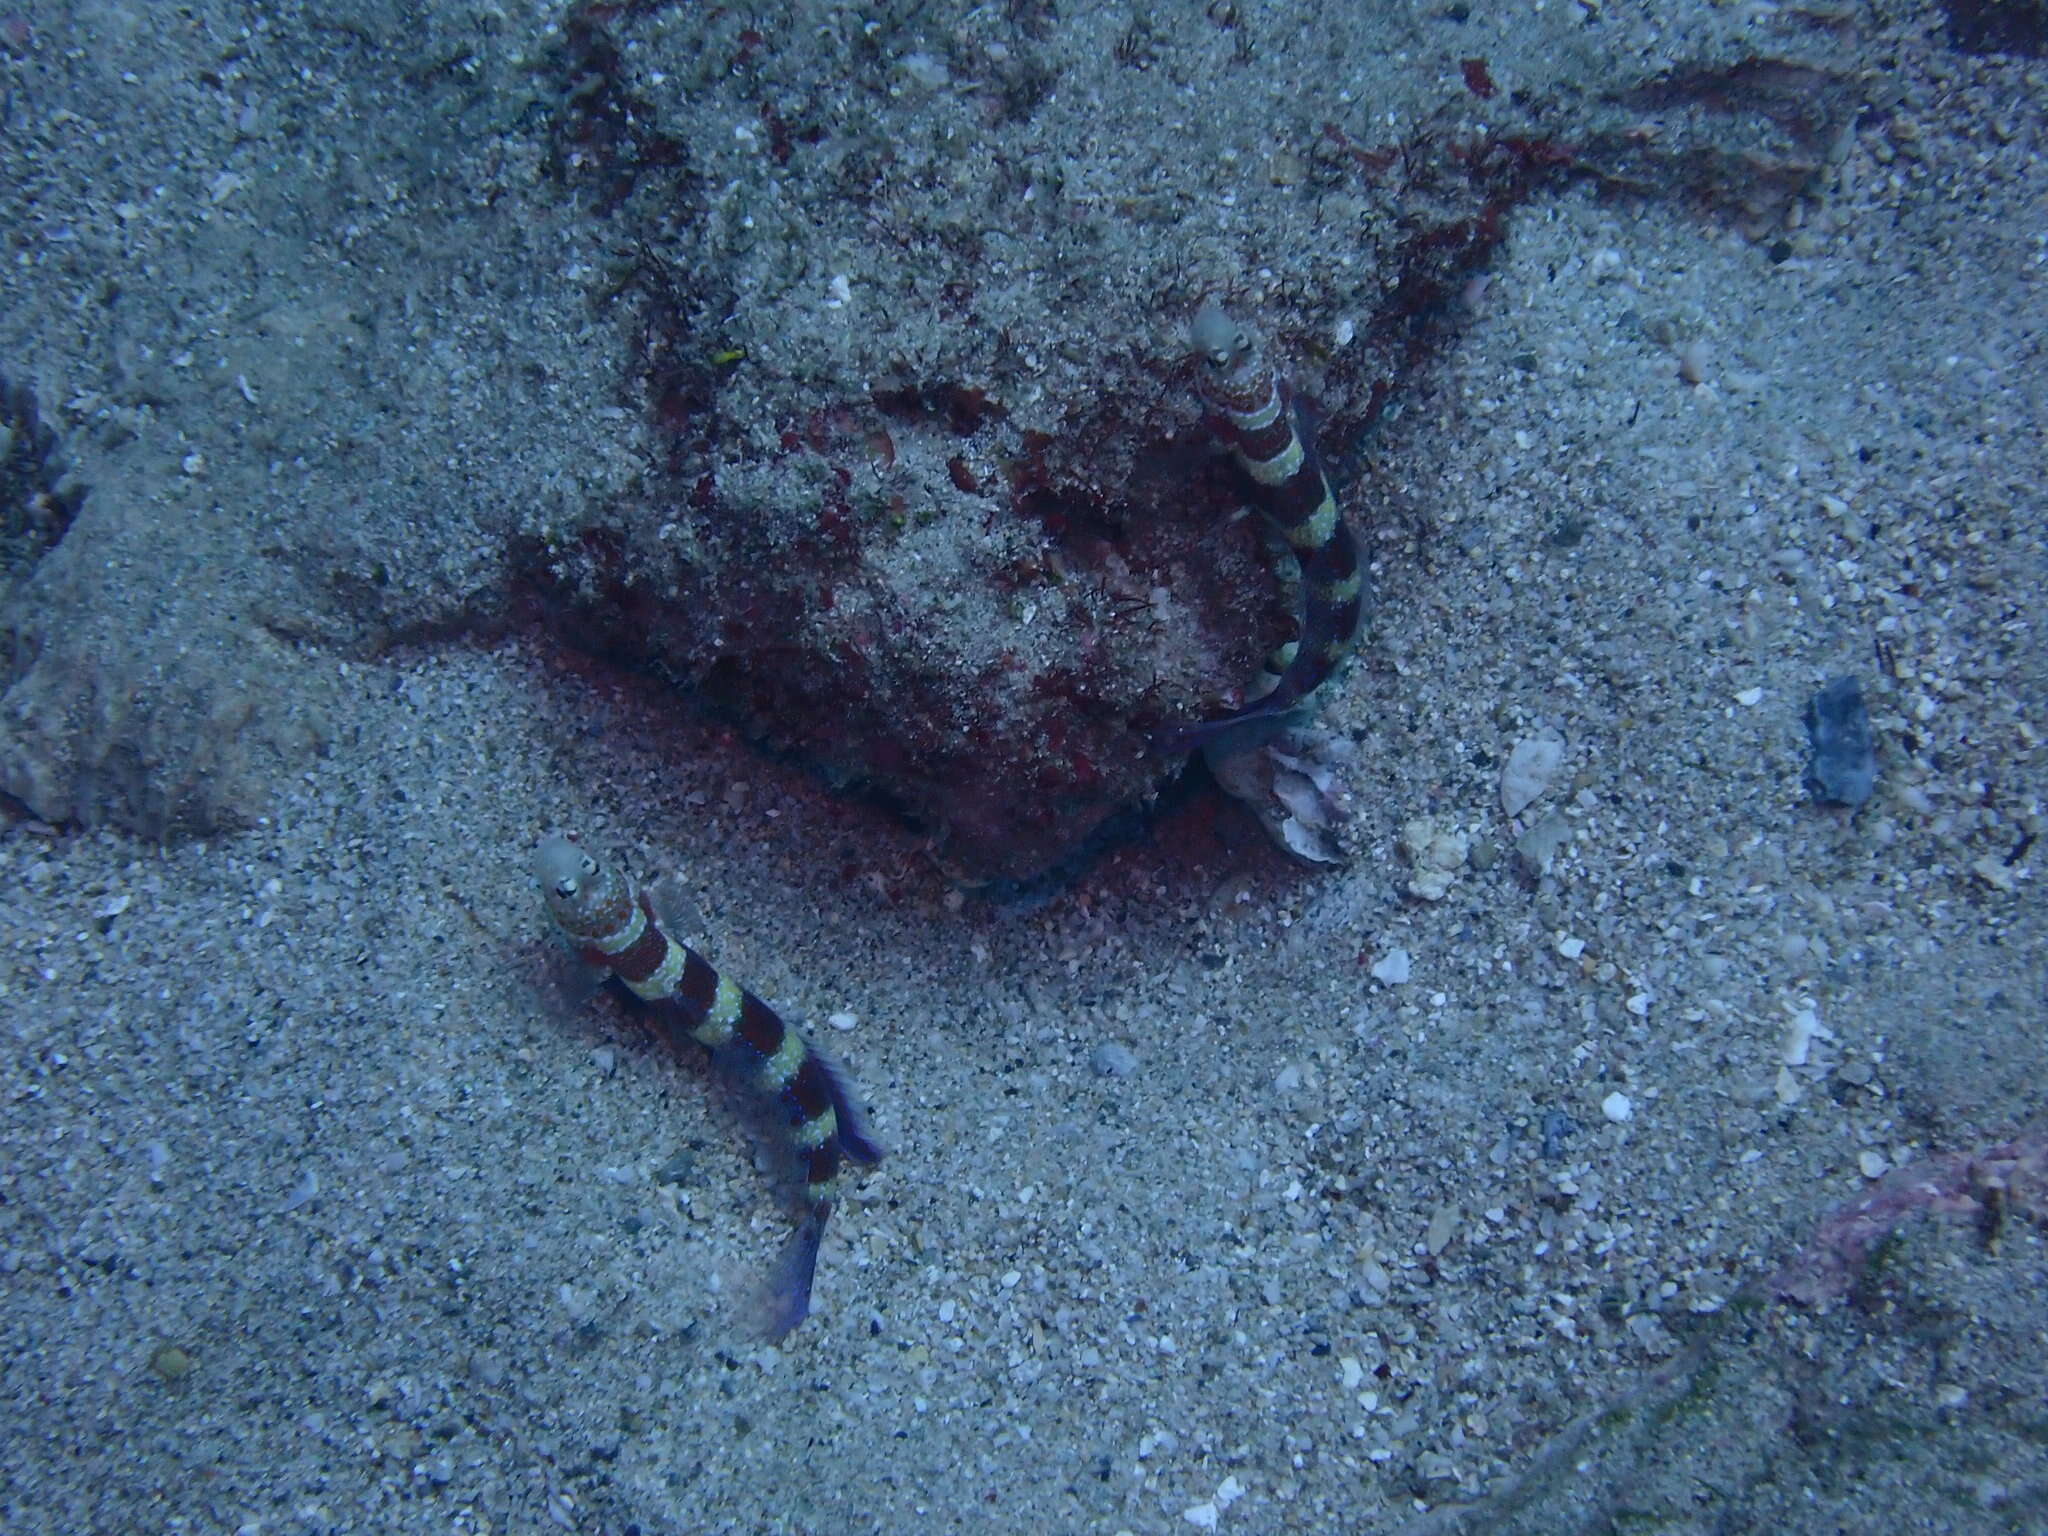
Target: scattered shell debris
1205, 1515
1805, 1028
1296, 785
1437, 852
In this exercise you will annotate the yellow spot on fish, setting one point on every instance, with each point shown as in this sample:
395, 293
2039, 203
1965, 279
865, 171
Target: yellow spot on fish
725, 1002
721, 1016
1280, 468
781, 1067
1318, 529
815, 1132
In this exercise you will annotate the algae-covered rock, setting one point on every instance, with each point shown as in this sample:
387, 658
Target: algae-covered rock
835, 374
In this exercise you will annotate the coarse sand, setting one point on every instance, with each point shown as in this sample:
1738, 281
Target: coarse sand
326, 1207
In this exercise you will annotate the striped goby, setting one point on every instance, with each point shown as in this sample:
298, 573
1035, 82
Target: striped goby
614, 927
1253, 413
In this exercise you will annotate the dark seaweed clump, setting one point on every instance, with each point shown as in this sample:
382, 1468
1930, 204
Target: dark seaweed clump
37, 499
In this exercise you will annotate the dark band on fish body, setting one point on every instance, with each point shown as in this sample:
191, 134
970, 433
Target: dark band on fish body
699, 984
639, 960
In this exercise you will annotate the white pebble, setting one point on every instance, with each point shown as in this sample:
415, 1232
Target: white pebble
1392, 967
1113, 1060
1616, 1107
1873, 1165
927, 71
843, 1021
1800, 1034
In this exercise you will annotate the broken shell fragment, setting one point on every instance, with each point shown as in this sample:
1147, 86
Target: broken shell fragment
1530, 770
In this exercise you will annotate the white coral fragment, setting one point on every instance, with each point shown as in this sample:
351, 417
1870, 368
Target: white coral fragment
1531, 769
1437, 852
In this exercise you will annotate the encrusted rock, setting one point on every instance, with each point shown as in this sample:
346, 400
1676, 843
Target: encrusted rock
838, 382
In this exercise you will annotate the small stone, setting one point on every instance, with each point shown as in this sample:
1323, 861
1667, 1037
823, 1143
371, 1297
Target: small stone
1539, 847
1651, 1334
1843, 767
926, 70
1994, 872
842, 1021
1443, 1226
1618, 1108
1872, 1164
1110, 1059
171, 1362
1392, 968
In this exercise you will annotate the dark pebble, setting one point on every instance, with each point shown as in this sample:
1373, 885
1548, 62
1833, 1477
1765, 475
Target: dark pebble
1843, 768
